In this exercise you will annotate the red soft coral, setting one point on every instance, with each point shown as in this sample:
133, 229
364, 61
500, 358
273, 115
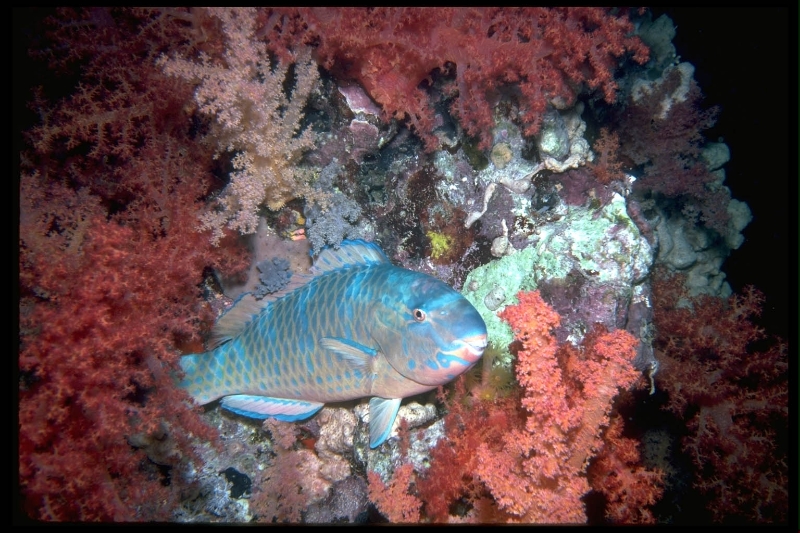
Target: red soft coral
730, 386
286, 487
668, 144
96, 325
606, 166
630, 490
538, 54
110, 268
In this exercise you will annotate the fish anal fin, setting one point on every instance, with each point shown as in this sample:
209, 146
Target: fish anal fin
382, 413
262, 407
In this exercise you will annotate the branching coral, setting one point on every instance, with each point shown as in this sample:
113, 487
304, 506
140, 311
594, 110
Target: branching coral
539, 55
254, 117
731, 389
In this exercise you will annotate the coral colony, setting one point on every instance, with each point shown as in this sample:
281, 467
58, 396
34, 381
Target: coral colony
550, 164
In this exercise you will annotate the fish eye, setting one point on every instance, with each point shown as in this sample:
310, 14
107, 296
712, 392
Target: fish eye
419, 315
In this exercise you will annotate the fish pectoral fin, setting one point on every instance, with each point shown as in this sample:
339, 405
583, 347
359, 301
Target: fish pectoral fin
382, 413
356, 354
266, 407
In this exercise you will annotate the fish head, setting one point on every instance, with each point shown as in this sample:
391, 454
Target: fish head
427, 331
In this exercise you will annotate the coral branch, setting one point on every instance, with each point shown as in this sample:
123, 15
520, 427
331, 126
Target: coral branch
542, 54
530, 456
244, 93
616, 473
393, 499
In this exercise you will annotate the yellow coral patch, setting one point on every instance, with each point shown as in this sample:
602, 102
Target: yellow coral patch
440, 244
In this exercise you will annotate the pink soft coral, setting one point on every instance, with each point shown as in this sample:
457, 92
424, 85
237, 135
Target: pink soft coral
538, 473
393, 499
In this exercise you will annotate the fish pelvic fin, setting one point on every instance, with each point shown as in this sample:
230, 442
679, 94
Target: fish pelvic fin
382, 413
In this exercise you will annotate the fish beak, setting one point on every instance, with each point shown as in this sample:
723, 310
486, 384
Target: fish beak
444, 366
472, 348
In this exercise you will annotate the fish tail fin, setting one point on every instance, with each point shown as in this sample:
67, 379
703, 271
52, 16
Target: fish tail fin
203, 375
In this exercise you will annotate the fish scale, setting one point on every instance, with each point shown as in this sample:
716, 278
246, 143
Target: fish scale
358, 326
297, 320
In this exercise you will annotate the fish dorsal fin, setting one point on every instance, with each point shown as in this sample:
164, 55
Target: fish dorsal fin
234, 320
295, 282
349, 253
245, 308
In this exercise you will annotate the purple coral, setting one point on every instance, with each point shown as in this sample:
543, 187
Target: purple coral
275, 274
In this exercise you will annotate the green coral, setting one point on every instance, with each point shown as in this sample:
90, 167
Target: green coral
605, 245
441, 244
511, 274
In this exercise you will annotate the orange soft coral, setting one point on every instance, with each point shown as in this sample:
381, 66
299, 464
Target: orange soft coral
524, 459
538, 473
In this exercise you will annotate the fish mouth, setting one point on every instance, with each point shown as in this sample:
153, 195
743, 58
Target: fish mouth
471, 348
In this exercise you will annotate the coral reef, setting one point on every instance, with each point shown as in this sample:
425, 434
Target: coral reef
502, 150
393, 499
304, 470
440, 244
599, 254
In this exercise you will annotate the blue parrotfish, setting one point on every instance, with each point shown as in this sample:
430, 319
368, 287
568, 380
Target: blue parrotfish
356, 326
